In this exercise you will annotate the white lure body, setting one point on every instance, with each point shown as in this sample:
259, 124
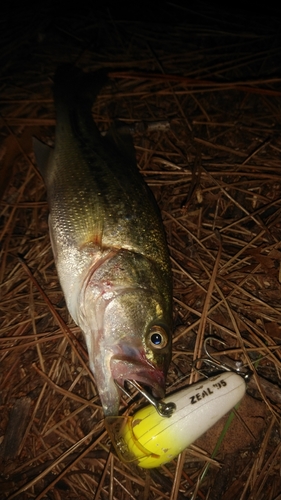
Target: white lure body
151, 440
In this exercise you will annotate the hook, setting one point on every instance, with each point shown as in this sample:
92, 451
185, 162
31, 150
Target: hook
164, 409
234, 366
211, 358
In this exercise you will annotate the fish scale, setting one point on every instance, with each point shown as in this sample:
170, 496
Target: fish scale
108, 242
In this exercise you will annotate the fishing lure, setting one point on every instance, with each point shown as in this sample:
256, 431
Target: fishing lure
157, 433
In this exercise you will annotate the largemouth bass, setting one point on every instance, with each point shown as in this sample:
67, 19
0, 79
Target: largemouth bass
108, 243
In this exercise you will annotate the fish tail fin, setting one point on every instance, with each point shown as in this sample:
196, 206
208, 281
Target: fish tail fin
72, 85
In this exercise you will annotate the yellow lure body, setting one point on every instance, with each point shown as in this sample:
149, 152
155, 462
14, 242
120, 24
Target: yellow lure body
151, 440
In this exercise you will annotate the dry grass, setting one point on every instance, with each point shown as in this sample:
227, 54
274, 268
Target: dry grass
216, 176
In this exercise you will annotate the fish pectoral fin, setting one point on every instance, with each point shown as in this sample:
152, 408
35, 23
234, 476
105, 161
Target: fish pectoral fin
42, 154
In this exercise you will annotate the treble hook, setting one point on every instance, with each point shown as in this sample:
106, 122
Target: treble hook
211, 358
233, 366
164, 409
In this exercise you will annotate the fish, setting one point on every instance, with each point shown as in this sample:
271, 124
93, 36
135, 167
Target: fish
108, 243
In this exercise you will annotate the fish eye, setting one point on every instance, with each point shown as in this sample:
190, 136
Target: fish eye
158, 337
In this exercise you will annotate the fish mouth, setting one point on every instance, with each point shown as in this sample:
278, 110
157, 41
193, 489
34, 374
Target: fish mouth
151, 378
